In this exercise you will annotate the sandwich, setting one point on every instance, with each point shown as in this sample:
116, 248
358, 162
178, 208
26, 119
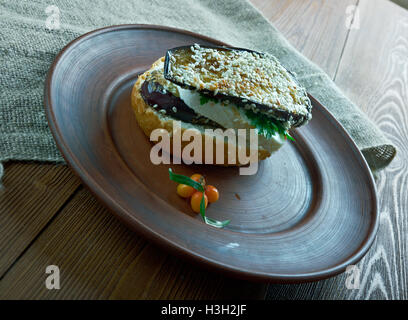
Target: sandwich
212, 87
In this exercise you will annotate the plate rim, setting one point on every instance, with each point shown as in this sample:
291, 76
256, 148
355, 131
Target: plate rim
170, 245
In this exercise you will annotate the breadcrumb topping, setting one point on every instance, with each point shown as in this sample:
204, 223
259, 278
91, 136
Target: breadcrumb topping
254, 77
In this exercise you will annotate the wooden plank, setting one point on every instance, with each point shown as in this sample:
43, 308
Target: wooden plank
402, 3
314, 27
99, 258
30, 197
374, 74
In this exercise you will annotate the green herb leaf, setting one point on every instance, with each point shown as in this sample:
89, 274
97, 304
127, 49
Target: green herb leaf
216, 223
267, 126
198, 186
185, 180
202, 207
206, 98
289, 137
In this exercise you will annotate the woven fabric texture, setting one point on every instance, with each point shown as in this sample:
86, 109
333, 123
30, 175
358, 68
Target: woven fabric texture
28, 47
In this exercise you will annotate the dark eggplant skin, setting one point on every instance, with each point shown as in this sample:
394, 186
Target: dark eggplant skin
167, 61
157, 97
295, 120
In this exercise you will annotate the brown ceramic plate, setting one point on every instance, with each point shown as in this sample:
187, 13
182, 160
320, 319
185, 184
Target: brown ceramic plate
309, 212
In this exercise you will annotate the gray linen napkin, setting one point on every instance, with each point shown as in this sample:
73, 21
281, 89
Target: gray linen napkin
30, 39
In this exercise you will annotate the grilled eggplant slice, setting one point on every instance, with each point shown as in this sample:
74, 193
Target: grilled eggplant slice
250, 79
164, 101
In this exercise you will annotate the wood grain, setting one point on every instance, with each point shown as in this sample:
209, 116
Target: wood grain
314, 27
280, 217
384, 267
374, 73
99, 258
316, 50
303, 23
30, 196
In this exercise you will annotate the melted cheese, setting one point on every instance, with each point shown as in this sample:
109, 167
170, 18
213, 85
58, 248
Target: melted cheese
227, 116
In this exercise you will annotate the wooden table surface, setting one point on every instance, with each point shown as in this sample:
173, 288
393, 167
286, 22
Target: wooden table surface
47, 217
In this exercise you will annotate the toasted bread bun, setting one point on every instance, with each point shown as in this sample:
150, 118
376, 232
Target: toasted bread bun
149, 119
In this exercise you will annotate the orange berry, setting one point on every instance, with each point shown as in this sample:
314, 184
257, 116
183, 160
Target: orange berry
212, 193
195, 201
199, 178
185, 191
